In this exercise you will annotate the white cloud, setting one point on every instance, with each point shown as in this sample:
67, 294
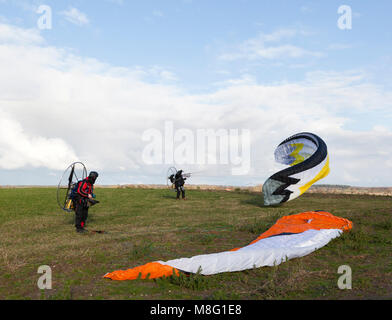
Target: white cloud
56, 107
260, 47
340, 46
15, 35
274, 36
306, 9
18, 149
74, 16
157, 13
118, 2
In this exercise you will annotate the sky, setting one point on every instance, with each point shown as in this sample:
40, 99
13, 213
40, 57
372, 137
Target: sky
129, 87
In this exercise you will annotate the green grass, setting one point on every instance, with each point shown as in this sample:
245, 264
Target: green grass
145, 225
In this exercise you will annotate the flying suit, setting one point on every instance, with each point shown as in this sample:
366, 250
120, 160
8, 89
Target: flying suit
179, 184
84, 189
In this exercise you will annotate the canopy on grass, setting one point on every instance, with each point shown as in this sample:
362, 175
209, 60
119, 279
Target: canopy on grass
307, 155
291, 237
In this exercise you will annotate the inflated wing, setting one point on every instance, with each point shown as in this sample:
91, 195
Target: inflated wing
308, 160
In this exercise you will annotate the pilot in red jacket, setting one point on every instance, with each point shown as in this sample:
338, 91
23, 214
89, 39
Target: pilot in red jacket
85, 191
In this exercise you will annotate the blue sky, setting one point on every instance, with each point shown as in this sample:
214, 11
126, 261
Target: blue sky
212, 53
188, 37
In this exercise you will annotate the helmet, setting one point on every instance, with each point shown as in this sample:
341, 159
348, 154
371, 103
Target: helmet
179, 173
93, 176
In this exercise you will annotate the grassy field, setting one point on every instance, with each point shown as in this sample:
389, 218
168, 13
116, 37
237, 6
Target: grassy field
149, 225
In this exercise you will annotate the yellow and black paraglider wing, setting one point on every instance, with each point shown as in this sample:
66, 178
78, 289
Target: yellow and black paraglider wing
308, 160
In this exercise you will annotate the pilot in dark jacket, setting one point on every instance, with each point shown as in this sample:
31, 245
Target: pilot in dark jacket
179, 184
